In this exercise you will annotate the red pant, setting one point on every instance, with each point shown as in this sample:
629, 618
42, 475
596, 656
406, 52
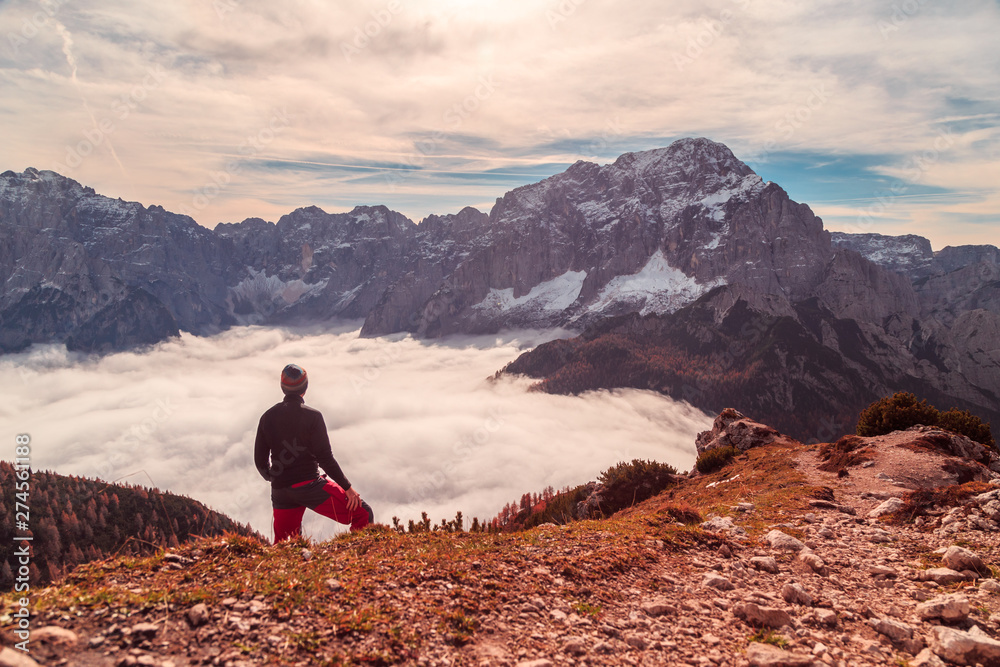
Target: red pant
323, 497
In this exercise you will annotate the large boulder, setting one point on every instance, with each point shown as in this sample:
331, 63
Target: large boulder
965, 648
954, 444
733, 429
961, 559
951, 608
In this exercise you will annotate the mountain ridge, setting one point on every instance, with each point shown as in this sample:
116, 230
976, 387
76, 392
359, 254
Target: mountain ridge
650, 233
777, 558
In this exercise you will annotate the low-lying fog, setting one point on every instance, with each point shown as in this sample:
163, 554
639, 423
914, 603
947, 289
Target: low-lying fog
415, 424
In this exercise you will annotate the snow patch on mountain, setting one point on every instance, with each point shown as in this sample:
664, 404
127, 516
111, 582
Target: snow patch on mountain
262, 290
716, 202
658, 287
556, 294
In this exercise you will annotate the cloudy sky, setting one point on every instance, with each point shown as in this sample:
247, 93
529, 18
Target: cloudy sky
414, 424
882, 115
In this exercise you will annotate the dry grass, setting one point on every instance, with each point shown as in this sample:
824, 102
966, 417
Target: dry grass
917, 503
764, 476
845, 453
399, 590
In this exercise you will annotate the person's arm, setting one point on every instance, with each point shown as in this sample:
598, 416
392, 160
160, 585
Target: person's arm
324, 455
262, 452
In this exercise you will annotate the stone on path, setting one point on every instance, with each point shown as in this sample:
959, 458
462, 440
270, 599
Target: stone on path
780, 540
766, 655
795, 594
927, 658
965, 648
942, 576
768, 617
895, 630
657, 608
765, 563
10, 657
814, 562
959, 559
887, 507
950, 608
713, 580
52, 634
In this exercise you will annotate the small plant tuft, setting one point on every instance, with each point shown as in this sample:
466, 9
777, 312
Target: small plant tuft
461, 628
683, 513
844, 453
764, 636
587, 609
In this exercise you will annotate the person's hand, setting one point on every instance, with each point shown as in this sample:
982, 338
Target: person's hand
353, 499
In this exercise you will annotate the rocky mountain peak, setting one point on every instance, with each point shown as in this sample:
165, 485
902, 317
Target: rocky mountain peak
32, 183
691, 154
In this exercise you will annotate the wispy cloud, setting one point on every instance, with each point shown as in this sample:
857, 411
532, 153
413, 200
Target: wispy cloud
461, 90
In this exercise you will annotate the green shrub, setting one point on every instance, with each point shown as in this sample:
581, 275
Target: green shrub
895, 413
629, 483
714, 459
902, 410
965, 423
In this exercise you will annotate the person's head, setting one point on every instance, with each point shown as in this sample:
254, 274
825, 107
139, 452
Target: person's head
294, 380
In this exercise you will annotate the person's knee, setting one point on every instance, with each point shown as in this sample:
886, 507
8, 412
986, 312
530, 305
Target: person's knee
368, 510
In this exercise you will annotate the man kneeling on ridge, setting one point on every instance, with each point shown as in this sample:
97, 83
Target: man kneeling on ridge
292, 444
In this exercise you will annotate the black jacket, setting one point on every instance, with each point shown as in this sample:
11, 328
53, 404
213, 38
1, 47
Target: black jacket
291, 442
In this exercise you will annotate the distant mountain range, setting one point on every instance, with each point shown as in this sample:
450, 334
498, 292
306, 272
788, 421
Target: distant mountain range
678, 245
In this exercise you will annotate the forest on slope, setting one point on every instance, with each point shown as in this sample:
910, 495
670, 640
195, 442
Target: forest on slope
76, 520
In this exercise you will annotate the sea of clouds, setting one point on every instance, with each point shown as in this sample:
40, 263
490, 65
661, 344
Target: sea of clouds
416, 425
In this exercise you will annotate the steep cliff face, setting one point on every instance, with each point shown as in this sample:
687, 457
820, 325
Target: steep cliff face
139, 318
909, 254
949, 282
650, 233
69, 253
313, 265
952, 334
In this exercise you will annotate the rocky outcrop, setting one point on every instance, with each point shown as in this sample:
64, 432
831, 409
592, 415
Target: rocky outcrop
732, 429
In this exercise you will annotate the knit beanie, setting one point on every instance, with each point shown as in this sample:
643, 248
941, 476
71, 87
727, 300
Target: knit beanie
294, 379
